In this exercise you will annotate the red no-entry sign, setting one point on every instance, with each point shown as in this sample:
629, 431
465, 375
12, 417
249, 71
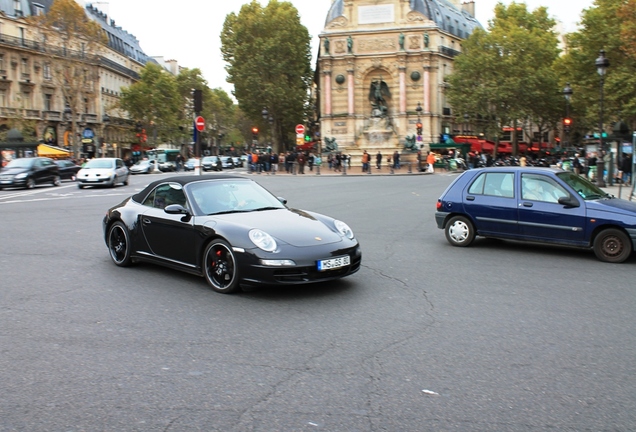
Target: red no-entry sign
300, 129
199, 122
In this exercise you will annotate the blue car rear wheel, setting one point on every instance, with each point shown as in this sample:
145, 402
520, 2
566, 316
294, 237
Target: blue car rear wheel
459, 231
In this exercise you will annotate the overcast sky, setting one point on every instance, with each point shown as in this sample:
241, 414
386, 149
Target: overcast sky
189, 30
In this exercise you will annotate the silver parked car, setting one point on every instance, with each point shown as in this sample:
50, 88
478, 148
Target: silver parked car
103, 172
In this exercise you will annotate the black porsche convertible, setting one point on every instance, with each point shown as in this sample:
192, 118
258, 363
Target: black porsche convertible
230, 230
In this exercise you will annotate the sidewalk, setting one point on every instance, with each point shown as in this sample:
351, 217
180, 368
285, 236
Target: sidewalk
355, 171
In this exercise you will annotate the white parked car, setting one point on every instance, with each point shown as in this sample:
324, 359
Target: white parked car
103, 172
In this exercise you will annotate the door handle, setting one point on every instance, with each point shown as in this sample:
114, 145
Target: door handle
470, 198
147, 221
527, 204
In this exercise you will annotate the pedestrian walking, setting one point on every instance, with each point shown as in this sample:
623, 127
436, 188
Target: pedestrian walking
378, 160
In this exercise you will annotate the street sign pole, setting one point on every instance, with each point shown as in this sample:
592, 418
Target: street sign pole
199, 125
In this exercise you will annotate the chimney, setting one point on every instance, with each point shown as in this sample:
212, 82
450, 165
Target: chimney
469, 7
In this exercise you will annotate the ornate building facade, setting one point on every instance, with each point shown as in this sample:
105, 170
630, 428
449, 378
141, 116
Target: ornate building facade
31, 102
381, 72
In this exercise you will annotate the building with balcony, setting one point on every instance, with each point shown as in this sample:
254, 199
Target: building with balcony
31, 101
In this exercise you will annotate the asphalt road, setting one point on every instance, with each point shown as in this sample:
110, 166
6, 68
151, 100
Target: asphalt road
499, 336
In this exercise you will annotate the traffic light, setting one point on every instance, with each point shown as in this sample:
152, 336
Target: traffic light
197, 97
567, 122
307, 138
419, 128
255, 134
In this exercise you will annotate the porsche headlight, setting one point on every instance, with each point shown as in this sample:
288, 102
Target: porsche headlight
343, 229
262, 240
21, 175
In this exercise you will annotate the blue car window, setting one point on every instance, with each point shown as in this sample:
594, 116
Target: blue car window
541, 188
493, 184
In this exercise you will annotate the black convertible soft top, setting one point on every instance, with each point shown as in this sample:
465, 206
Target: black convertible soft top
182, 180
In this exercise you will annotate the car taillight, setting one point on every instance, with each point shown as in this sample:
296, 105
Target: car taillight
439, 205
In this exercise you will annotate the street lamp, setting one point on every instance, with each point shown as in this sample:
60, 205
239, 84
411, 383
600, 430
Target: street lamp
418, 110
567, 92
602, 63
105, 122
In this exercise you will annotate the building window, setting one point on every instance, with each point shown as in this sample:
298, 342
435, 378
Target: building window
85, 106
48, 102
17, 7
47, 72
3, 98
38, 9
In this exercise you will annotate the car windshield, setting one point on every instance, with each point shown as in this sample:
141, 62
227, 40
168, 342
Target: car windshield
234, 196
586, 189
20, 163
99, 163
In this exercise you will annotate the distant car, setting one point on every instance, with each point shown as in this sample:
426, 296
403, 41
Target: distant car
238, 162
67, 169
191, 164
545, 205
142, 167
227, 162
211, 163
29, 172
231, 231
167, 166
103, 172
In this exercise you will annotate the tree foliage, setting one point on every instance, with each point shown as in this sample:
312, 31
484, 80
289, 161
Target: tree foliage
154, 101
506, 75
609, 26
71, 42
268, 56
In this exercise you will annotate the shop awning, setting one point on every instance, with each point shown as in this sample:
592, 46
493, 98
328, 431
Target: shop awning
46, 150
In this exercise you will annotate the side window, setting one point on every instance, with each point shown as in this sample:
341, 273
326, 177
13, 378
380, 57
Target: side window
494, 184
541, 188
478, 185
165, 195
120, 163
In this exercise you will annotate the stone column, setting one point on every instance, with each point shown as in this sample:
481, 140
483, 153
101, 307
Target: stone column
427, 90
351, 91
327, 92
402, 72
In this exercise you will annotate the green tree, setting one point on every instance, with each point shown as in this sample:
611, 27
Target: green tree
268, 56
154, 102
71, 45
603, 27
505, 76
218, 107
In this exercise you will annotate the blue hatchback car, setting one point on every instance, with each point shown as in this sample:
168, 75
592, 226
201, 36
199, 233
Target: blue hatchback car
540, 205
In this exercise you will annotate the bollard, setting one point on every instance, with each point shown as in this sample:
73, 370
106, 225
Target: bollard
344, 167
391, 170
317, 169
410, 171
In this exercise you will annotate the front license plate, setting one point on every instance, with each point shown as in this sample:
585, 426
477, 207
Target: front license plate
334, 263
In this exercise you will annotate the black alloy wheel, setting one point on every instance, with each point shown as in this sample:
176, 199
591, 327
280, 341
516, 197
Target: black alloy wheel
119, 244
219, 267
612, 245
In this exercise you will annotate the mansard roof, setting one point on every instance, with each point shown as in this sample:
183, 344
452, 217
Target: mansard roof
446, 15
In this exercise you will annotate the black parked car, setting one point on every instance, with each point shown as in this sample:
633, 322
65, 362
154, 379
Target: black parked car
28, 172
68, 169
231, 231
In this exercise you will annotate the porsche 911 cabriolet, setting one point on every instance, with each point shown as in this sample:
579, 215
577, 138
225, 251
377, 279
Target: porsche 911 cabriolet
231, 231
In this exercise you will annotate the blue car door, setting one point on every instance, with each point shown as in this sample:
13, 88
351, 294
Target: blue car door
542, 218
490, 201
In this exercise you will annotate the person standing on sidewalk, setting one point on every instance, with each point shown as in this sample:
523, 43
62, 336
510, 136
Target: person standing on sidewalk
378, 160
430, 160
365, 161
